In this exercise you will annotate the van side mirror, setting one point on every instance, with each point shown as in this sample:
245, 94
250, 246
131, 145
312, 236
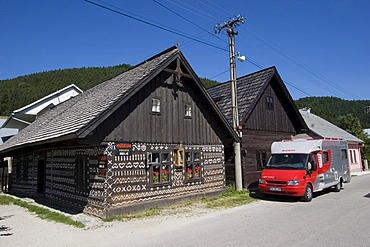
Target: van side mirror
319, 159
309, 166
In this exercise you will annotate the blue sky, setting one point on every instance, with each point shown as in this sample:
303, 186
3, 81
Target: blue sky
320, 47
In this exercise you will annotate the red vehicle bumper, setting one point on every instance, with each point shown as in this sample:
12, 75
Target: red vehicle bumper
282, 190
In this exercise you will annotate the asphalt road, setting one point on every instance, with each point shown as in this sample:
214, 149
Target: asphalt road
330, 219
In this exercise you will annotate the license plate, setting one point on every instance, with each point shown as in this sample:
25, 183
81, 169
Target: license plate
274, 189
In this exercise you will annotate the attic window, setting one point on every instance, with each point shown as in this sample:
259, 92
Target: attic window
269, 103
187, 111
156, 105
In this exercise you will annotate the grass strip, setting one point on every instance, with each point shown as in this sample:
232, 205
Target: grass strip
42, 213
230, 198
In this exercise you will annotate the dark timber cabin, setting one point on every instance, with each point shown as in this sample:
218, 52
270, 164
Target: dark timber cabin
148, 137
267, 113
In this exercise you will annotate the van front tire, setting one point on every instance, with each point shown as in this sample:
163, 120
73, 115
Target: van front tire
308, 193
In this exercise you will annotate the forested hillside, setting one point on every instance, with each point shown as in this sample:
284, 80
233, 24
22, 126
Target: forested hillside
18, 92
331, 108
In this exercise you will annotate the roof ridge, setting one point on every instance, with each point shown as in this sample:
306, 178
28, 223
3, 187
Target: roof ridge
155, 56
244, 76
257, 72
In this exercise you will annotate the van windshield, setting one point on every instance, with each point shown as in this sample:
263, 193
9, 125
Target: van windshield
287, 161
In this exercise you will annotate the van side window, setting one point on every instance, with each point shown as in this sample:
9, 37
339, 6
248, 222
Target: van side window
343, 154
312, 160
325, 157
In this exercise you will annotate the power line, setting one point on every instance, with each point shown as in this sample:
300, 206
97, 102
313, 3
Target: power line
248, 59
292, 59
203, 14
220, 74
286, 82
291, 67
167, 29
302, 65
156, 25
191, 22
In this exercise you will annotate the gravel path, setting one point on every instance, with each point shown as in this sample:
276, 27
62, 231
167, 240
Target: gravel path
19, 227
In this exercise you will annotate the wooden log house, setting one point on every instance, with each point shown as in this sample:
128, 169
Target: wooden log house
267, 113
147, 137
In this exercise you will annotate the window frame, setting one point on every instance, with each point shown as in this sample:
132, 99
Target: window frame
157, 168
188, 111
270, 102
353, 156
155, 108
325, 157
192, 161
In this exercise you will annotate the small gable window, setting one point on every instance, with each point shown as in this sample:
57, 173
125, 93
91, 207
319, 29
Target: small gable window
270, 103
156, 105
187, 111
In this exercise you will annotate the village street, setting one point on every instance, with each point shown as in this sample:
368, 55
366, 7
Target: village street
331, 219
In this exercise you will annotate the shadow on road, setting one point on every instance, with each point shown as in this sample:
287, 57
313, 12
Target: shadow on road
40, 199
4, 230
255, 193
367, 195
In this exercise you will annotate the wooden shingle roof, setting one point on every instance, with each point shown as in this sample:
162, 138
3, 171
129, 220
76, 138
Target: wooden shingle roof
72, 118
80, 115
250, 89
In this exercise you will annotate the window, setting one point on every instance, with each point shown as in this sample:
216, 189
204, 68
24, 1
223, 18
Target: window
270, 103
353, 156
261, 159
325, 157
159, 168
192, 167
187, 111
82, 163
343, 154
312, 161
22, 170
156, 105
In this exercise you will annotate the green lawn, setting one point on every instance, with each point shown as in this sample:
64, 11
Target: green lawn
41, 212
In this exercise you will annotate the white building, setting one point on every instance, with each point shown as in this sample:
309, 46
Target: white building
21, 118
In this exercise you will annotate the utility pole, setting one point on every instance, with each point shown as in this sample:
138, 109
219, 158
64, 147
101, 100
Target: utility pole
229, 26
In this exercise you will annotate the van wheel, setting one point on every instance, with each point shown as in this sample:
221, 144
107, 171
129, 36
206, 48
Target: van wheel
338, 186
308, 194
